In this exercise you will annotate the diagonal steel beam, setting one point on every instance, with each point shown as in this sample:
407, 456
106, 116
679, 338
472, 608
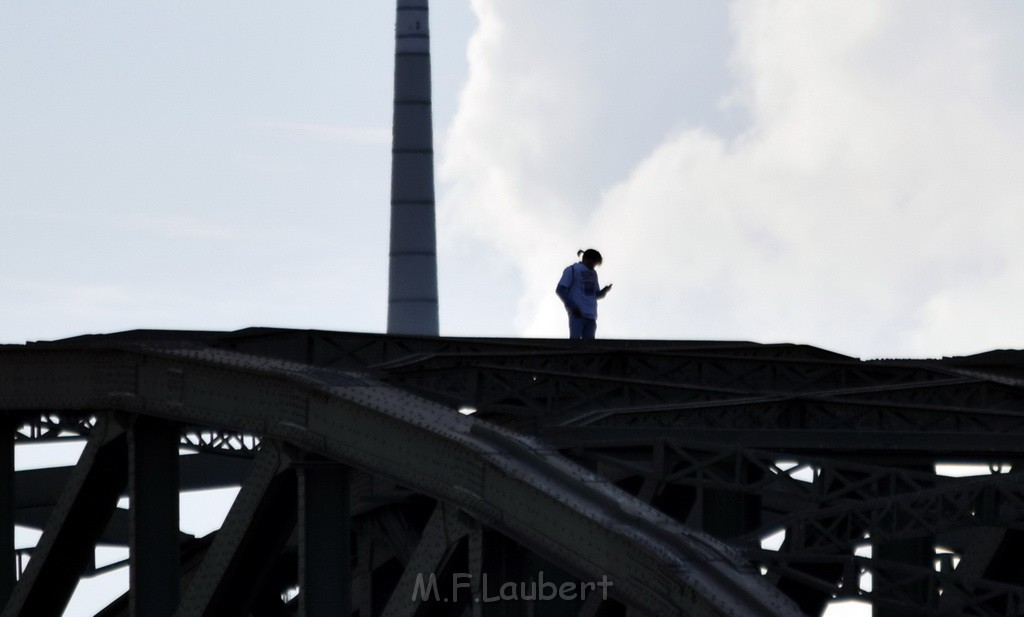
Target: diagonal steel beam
68, 543
256, 529
442, 531
40, 488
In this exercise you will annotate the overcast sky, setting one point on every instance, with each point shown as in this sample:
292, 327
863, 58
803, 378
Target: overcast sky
843, 175
846, 175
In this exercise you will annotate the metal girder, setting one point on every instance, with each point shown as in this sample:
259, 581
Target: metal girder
391, 529
823, 441
895, 585
573, 393
443, 531
802, 413
155, 549
838, 504
216, 441
37, 490
254, 533
8, 565
831, 508
324, 530
912, 446
51, 427
80, 515
953, 407
507, 482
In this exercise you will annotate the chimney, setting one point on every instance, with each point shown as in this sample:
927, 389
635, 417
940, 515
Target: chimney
412, 271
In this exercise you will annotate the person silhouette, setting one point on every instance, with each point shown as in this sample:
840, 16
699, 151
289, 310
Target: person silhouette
579, 291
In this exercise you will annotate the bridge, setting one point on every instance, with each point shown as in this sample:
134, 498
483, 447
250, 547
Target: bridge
416, 475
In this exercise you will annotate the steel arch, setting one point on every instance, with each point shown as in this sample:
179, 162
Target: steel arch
502, 480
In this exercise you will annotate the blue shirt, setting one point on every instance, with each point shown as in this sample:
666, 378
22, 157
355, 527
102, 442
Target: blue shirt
582, 289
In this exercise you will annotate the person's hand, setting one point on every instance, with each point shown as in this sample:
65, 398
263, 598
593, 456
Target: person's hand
576, 312
606, 289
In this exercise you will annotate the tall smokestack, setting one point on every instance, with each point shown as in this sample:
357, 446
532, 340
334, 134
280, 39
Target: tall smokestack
412, 273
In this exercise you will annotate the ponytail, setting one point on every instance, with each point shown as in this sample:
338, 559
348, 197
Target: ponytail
589, 254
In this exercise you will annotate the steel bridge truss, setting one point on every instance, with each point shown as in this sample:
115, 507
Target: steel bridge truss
699, 478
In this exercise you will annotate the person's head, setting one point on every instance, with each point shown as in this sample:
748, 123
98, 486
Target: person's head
590, 258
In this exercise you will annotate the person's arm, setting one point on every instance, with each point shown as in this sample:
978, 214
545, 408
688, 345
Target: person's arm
563, 292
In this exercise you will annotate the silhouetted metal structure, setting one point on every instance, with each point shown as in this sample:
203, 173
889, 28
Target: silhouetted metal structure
412, 270
661, 465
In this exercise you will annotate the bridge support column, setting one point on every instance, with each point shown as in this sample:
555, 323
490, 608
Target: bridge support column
325, 528
8, 569
919, 552
498, 560
916, 596
727, 514
154, 568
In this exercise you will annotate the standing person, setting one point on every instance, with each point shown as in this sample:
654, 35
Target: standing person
580, 291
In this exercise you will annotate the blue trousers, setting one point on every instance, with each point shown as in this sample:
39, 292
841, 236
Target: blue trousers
581, 327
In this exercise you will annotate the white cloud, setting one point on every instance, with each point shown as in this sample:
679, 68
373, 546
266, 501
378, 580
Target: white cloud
870, 206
